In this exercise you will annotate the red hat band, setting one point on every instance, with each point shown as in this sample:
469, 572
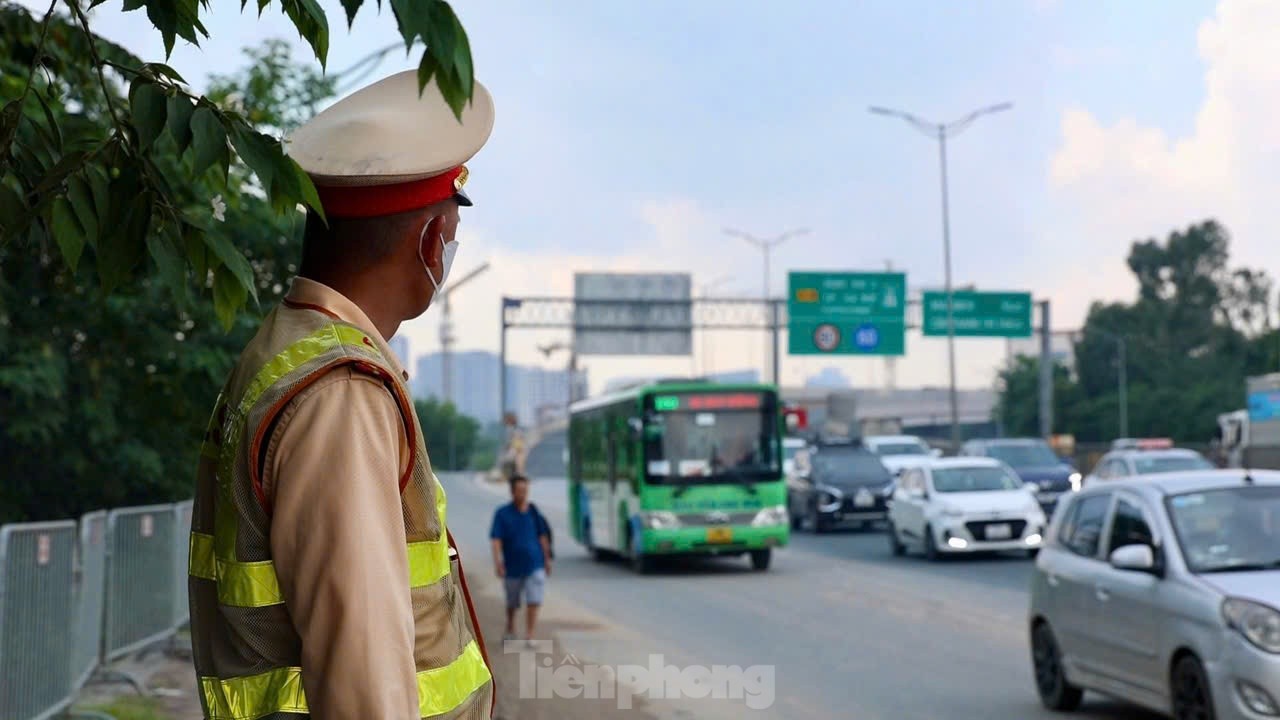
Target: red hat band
362, 201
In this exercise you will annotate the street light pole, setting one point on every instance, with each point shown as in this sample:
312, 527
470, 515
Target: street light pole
940, 132
446, 346
766, 246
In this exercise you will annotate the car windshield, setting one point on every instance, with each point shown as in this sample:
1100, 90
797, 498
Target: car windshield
1229, 529
849, 465
1169, 463
1024, 454
973, 479
901, 448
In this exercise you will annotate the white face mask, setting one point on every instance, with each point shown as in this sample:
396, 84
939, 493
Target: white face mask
447, 253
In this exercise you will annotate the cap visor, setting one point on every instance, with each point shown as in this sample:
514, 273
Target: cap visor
463, 199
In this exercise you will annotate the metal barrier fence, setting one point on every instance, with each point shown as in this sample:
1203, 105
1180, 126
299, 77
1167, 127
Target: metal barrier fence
139, 609
76, 596
181, 550
91, 576
37, 569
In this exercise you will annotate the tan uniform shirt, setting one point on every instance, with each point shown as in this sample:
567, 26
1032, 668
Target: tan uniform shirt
331, 475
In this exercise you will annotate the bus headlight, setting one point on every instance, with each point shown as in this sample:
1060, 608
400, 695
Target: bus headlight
776, 515
660, 520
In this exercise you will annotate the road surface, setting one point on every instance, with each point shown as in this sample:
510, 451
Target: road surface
851, 631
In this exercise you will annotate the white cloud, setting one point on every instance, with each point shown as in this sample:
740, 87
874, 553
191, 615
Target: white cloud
1124, 180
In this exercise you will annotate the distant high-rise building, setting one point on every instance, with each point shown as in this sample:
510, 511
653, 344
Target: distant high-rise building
400, 346
533, 391
828, 377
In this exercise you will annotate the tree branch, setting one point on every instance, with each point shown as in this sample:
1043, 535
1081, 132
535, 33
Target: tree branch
98, 64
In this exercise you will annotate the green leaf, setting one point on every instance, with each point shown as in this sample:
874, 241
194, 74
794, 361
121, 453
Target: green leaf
352, 7
13, 212
130, 5
66, 165
123, 247
80, 195
178, 120
197, 252
232, 260
164, 17
169, 261
258, 151
462, 62
165, 70
228, 297
67, 232
426, 69
411, 18
312, 24
208, 141
438, 33
48, 116
309, 194
147, 103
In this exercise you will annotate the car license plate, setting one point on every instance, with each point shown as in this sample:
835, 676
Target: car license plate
863, 499
719, 535
1001, 531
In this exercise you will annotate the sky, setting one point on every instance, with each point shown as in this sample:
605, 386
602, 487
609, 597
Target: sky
629, 134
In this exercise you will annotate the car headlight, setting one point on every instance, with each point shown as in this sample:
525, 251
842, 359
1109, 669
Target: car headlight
776, 515
1258, 623
829, 498
660, 520
948, 511
1076, 479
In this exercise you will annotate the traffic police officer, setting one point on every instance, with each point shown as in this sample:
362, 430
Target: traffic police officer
323, 580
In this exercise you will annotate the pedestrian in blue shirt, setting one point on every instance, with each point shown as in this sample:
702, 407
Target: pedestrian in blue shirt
521, 540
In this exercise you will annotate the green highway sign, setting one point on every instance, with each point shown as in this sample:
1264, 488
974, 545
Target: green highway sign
978, 314
847, 313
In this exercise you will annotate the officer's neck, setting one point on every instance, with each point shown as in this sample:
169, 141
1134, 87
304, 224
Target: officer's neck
521, 505
370, 295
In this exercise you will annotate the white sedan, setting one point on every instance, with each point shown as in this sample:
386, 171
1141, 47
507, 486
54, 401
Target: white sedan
962, 505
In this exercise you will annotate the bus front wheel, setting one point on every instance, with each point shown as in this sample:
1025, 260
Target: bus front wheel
642, 564
760, 559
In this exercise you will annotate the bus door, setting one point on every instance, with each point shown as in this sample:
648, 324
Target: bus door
611, 504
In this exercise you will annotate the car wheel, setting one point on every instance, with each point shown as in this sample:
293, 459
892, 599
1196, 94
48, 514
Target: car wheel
930, 547
1191, 697
895, 545
816, 523
1051, 680
760, 559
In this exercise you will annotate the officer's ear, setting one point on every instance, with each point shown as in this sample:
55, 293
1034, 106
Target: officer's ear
431, 241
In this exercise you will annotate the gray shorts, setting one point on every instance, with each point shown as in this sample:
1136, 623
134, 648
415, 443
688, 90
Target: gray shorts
527, 589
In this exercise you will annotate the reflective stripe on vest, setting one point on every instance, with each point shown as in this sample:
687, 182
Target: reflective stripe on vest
246, 698
254, 584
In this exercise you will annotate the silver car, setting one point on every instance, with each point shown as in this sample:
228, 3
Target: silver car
1163, 591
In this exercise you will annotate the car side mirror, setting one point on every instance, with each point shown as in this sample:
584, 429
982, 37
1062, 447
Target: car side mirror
936, 452
1139, 558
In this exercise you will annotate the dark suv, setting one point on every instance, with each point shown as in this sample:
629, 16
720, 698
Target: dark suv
838, 483
1035, 462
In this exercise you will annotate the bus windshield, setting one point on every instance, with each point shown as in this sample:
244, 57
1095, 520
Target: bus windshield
718, 439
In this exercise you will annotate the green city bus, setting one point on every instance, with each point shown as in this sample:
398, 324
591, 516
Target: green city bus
678, 468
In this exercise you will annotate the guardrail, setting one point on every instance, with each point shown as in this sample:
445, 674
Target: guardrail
75, 596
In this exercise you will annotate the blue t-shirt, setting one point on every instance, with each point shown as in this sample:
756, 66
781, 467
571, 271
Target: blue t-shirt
518, 531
